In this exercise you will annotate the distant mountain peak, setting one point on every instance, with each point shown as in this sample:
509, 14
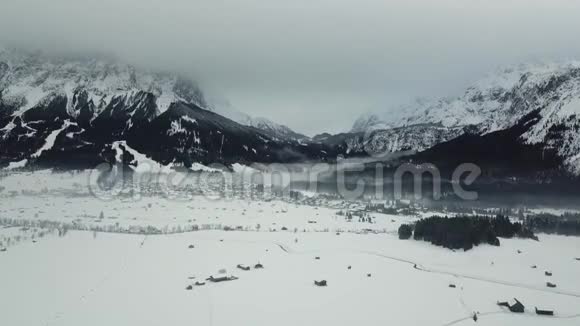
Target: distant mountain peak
225, 108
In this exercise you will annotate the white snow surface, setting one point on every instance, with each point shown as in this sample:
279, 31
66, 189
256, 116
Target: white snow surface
51, 138
141, 162
17, 165
137, 280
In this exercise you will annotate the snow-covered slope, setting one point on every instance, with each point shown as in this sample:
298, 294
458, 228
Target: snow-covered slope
394, 118
225, 108
491, 101
499, 102
274, 128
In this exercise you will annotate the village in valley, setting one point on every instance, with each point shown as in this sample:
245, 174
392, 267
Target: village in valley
317, 255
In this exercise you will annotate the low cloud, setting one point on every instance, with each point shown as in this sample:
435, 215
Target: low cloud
314, 65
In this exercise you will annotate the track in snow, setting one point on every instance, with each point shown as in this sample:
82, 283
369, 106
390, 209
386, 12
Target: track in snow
422, 268
418, 266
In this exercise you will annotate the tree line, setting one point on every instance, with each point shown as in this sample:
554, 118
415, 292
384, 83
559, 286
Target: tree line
565, 224
465, 232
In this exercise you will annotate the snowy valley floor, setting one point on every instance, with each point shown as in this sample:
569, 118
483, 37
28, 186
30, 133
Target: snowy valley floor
116, 279
100, 278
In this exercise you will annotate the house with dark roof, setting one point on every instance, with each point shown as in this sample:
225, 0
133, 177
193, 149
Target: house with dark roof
515, 306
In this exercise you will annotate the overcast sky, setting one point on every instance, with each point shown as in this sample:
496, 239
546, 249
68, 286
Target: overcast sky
314, 65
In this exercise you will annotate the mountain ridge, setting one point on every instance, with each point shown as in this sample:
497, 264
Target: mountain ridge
73, 112
96, 102
498, 102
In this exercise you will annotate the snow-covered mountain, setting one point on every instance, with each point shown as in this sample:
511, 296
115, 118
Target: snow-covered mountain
71, 109
393, 119
77, 110
499, 102
225, 108
28, 78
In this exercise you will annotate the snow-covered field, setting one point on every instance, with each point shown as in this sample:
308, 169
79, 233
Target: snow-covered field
102, 278
114, 279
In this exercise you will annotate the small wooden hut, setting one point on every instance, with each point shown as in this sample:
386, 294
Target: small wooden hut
320, 283
243, 267
544, 312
